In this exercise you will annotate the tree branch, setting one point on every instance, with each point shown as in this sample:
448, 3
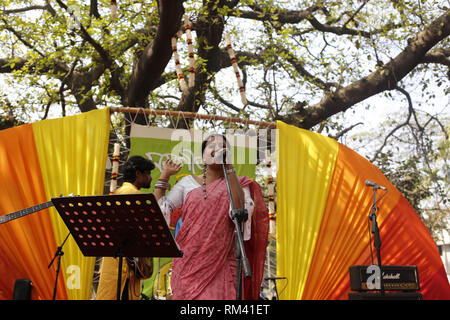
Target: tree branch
87, 37
21, 38
378, 81
438, 56
341, 133
223, 101
93, 9
9, 65
278, 15
352, 17
156, 55
299, 67
338, 30
401, 125
29, 8
107, 59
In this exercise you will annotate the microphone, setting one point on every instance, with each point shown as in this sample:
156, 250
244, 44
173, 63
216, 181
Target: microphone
375, 185
275, 278
221, 156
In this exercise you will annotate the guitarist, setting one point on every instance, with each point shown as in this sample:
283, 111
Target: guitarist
136, 175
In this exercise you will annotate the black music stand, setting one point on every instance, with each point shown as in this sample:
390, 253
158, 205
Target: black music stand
125, 225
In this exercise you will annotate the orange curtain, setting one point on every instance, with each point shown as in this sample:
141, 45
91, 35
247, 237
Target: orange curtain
26, 242
344, 236
37, 162
323, 208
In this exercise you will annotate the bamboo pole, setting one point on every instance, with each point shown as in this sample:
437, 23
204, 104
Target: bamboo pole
191, 115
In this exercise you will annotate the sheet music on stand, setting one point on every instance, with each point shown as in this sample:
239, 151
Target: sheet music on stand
103, 225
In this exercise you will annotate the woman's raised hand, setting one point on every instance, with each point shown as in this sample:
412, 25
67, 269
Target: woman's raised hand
171, 167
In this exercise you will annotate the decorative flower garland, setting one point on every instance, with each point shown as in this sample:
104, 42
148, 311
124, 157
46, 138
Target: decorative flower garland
236, 69
177, 61
114, 9
180, 76
187, 28
270, 194
115, 168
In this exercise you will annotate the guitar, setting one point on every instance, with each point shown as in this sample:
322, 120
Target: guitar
142, 267
18, 214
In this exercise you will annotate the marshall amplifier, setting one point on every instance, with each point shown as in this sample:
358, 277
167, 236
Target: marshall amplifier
395, 278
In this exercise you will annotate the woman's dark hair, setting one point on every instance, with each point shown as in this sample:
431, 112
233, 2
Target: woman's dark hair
205, 142
136, 163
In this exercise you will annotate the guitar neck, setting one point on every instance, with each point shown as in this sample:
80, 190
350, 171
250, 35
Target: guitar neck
24, 212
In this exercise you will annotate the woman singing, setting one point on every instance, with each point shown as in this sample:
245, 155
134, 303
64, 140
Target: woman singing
207, 270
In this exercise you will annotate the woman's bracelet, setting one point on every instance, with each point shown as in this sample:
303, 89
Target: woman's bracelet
162, 185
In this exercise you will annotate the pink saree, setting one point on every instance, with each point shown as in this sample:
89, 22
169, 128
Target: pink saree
207, 270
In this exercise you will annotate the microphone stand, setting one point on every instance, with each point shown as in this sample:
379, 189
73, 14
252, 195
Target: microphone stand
238, 217
376, 235
59, 253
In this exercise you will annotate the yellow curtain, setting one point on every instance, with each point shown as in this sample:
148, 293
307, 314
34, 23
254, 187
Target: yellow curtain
305, 163
72, 153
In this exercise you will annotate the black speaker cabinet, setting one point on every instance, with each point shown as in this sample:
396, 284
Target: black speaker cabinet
22, 289
385, 296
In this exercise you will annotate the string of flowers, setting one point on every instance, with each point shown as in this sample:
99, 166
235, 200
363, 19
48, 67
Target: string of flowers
177, 61
114, 9
270, 194
236, 69
271, 205
187, 28
115, 168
